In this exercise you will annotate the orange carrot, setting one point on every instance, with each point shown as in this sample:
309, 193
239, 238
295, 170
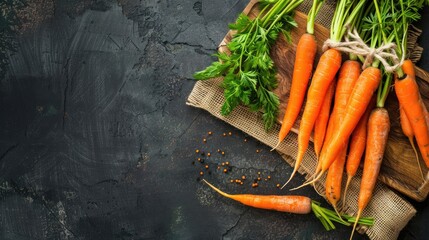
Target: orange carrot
305, 53
327, 68
359, 99
408, 68
407, 92
378, 131
322, 120
290, 203
293, 204
357, 147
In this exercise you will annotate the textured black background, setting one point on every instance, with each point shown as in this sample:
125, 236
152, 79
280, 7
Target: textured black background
96, 141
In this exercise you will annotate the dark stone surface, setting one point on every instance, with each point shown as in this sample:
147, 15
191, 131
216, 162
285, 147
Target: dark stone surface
96, 141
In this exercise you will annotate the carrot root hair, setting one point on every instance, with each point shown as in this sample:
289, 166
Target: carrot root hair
349, 179
354, 225
310, 182
275, 147
417, 157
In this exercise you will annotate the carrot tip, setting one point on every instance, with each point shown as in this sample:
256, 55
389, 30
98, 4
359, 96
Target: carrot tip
290, 178
308, 183
274, 148
354, 226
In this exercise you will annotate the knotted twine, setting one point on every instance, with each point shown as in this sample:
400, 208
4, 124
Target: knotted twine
354, 44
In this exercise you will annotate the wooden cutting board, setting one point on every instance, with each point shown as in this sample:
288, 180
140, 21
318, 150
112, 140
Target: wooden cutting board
399, 170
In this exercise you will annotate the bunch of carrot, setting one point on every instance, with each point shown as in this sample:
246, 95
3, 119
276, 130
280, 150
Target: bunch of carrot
358, 124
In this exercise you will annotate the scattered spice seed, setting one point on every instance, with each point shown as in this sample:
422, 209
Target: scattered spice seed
199, 159
245, 139
197, 151
241, 183
209, 154
278, 185
232, 180
265, 179
201, 173
218, 167
223, 153
218, 150
259, 178
259, 173
204, 140
206, 166
229, 133
254, 185
243, 177
257, 151
269, 177
225, 170
210, 133
226, 163
224, 134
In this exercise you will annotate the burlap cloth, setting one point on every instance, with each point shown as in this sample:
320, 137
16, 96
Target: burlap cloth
391, 211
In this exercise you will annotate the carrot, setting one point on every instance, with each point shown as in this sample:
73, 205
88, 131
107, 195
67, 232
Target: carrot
359, 99
407, 92
303, 67
327, 68
408, 68
378, 131
322, 120
305, 53
293, 204
290, 203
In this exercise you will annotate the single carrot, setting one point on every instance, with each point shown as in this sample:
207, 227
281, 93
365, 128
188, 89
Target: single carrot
289, 203
359, 99
407, 129
293, 204
322, 120
327, 68
304, 59
357, 147
407, 92
305, 53
378, 131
